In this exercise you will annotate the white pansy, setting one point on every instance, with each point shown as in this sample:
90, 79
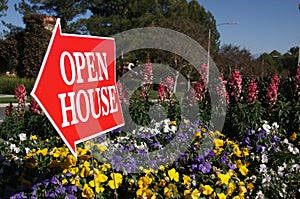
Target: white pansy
280, 170
260, 195
263, 168
22, 136
275, 125
286, 141
266, 127
264, 158
27, 150
295, 167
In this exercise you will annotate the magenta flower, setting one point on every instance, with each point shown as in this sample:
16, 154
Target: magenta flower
169, 84
20, 94
297, 80
34, 107
236, 85
252, 91
147, 73
123, 94
272, 91
9, 109
203, 69
161, 92
221, 89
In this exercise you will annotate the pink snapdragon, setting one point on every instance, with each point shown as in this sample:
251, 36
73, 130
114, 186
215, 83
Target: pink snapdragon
236, 85
169, 83
203, 69
297, 80
9, 109
123, 94
147, 73
272, 91
20, 94
252, 91
161, 93
34, 107
221, 89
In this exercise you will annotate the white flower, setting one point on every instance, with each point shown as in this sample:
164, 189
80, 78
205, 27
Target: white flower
266, 127
264, 158
22, 136
263, 168
286, 141
266, 180
260, 195
280, 170
275, 125
295, 167
14, 148
292, 149
27, 150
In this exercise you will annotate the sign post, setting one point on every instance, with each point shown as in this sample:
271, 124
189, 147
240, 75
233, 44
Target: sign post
76, 86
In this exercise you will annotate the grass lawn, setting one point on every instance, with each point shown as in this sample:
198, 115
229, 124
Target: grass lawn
4, 100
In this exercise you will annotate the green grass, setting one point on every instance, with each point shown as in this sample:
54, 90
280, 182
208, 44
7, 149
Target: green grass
4, 100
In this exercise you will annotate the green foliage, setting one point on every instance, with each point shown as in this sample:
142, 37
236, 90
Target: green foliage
3, 7
8, 84
33, 46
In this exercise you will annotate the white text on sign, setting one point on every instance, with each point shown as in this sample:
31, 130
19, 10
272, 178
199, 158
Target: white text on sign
97, 101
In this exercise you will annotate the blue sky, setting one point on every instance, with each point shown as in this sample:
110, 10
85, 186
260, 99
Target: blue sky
263, 25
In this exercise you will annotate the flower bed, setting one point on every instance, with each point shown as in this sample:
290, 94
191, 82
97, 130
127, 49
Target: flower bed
189, 161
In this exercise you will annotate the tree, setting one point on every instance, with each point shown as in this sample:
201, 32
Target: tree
32, 46
232, 57
67, 10
3, 7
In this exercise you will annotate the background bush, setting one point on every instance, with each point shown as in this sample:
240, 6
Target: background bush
8, 84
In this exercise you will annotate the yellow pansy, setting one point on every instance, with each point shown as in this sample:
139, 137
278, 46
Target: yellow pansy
242, 190
198, 134
85, 172
207, 190
245, 151
71, 160
64, 181
243, 169
238, 163
81, 152
293, 137
43, 151
250, 186
237, 151
186, 180
174, 175
117, 177
224, 178
186, 192
144, 182
167, 192
33, 137
104, 167
230, 189
101, 147
75, 181
221, 196
87, 192
173, 123
73, 170
218, 151
101, 178
218, 142
161, 167
99, 189
195, 194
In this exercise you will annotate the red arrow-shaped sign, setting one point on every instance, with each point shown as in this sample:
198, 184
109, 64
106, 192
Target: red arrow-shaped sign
76, 86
